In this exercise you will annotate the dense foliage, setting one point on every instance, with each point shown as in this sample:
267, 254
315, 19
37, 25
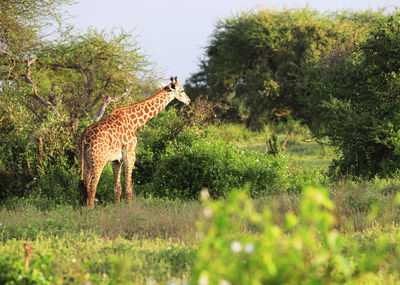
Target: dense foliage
253, 62
337, 73
178, 162
307, 250
356, 101
51, 90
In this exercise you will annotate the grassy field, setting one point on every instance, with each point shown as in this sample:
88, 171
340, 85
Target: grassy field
155, 241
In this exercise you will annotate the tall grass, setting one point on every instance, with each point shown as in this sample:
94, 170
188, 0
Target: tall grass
140, 219
155, 240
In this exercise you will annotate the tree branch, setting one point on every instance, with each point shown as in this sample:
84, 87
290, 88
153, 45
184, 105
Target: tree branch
283, 113
108, 100
283, 146
12, 61
35, 92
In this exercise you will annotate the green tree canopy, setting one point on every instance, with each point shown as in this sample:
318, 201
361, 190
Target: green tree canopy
356, 101
50, 90
22, 22
254, 60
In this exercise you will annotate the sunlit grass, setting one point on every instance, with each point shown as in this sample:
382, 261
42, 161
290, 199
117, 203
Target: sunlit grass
87, 258
302, 150
155, 240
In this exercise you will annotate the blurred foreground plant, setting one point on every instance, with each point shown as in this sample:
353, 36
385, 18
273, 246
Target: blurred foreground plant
307, 251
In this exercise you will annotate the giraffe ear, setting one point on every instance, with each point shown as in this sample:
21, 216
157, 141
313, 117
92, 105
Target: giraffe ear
172, 79
170, 87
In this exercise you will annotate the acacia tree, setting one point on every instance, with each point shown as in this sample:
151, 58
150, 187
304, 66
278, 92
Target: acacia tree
22, 23
254, 60
80, 73
356, 101
51, 90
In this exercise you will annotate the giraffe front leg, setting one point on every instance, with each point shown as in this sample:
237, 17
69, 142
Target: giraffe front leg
129, 162
128, 178
116, 165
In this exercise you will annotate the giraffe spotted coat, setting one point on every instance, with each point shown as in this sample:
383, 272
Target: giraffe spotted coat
113, 139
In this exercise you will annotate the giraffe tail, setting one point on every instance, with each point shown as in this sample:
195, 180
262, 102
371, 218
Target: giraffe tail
81, 184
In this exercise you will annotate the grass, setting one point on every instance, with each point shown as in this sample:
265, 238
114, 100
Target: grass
148, 239
301, 149
86, 258
155, 240
142, 218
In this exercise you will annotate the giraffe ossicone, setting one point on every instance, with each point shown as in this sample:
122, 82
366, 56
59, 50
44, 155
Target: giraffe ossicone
113, 139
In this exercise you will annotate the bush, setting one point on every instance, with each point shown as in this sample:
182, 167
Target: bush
177, 162
12, 271
308, 251
254, 60
197, 161
356, 103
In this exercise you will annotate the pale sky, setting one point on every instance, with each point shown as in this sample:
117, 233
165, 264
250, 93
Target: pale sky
174, 33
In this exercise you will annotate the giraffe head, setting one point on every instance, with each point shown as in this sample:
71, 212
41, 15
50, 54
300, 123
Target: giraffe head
177, 92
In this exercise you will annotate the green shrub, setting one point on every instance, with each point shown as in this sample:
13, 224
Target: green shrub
198, 159
12, 271
356, 102
208, 162
307, 251
178, 162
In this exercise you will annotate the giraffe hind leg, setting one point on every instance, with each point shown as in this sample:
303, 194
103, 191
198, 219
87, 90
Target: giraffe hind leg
83, 184
91, 187
83, 192
93, 180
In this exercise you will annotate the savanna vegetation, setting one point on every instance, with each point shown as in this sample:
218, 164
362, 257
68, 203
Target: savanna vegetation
284, 169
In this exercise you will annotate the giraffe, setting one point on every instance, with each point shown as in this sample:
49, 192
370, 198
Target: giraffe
113, 139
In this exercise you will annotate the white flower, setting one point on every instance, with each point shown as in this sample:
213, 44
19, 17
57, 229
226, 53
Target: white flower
0, 224
257, 160
204, 194
172, 282
249, 248
283, 156
73, 260
242, 151
169, 248
203, 279
236, 246
207, 212
151, 281
224, 282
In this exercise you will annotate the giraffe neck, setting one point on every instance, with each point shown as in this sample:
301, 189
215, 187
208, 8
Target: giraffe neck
139, 113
